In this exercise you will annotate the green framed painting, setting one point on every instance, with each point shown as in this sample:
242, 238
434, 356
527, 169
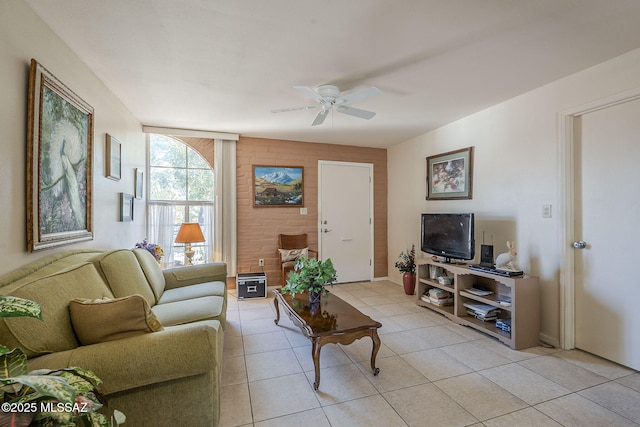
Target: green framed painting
59, 163
278, 186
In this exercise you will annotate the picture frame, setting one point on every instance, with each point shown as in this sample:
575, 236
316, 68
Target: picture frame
278, 186
59, 163
450, 175
139, 183
126, 207
113, 158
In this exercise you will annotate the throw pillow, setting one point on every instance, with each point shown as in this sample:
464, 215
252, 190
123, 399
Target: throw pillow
106, 319
293, 254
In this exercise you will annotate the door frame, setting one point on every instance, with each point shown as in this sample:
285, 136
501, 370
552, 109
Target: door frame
568, 130
371, 207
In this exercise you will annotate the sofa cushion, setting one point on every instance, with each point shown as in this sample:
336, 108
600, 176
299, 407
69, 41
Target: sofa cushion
192, 310
51, 264
107, 319
53, 293
178, 277
207, 289
293, 254
122, 272
151, 270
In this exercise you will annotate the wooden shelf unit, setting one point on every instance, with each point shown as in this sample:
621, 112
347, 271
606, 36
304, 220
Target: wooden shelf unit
523, 291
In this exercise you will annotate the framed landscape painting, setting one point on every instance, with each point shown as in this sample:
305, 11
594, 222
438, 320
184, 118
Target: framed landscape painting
59, 163
278, 186
450, 175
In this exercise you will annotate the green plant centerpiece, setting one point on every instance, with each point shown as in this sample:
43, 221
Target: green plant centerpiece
311, 275
61, 397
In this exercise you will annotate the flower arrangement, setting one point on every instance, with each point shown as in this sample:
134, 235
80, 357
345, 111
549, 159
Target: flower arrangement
154, 249
407, 262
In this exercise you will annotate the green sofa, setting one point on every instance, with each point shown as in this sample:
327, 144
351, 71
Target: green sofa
165, 378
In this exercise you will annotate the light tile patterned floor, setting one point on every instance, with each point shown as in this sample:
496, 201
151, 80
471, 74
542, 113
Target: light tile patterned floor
432, 373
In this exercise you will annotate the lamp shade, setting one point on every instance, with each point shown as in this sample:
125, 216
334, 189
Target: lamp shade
189, 232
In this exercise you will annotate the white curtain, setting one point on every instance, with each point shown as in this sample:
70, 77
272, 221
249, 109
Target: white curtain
225, 234
207, 224
161, 227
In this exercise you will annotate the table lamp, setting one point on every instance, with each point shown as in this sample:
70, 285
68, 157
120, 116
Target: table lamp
189, 233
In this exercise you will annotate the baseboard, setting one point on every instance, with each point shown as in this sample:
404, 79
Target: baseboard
549, 340
380, 279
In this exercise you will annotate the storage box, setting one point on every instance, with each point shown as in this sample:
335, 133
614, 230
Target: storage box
251, 285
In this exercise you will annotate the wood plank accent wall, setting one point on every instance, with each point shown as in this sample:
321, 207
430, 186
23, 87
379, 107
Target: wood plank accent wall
258, 228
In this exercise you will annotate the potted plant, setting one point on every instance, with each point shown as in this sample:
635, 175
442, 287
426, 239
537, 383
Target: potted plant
45, 397
311, 275
407, 266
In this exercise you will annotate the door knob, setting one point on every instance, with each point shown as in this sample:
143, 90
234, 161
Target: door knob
580, 244
325, 230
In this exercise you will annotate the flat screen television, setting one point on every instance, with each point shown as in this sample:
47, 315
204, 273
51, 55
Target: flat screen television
449, 235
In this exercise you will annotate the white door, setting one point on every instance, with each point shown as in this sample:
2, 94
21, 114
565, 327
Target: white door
346, 218
607, 207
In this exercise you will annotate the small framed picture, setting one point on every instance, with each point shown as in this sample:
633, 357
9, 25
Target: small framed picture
450, 175
139, 183
126, 207
113, 156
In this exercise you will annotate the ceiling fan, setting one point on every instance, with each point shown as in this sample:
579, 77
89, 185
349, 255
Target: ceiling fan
328, 98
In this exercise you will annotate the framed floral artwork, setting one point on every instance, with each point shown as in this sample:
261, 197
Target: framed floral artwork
59, 163
450, 175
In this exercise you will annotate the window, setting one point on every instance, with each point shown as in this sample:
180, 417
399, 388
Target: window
181, 189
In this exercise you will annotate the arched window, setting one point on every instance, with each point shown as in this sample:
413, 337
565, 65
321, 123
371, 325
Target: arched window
181, 189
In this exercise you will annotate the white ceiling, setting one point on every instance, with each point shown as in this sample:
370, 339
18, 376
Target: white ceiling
223, 65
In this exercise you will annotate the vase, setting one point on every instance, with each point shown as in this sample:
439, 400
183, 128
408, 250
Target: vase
409, 283
314, 298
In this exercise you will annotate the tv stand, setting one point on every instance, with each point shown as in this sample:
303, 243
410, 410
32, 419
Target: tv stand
522, 292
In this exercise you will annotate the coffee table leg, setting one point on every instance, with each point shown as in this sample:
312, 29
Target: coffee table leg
374, 352
275, 302
315, 352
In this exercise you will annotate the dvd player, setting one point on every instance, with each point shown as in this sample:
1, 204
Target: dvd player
493, 270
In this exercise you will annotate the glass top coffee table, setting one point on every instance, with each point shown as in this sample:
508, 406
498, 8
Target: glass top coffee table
332, 321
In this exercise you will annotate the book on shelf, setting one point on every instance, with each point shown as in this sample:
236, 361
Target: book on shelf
437, 301
479, 292
504, 324
480, 308
484, 317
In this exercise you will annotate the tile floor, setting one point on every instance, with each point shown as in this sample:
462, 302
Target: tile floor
432, 373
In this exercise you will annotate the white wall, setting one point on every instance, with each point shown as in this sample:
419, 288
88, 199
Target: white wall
24, 36
516, 172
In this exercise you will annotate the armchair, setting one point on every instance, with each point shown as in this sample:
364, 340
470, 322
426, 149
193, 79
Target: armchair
290, 248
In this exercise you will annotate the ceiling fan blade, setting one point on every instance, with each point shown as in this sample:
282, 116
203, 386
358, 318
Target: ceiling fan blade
360, 95
310, 93
320, 117
284, 110
356, 112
